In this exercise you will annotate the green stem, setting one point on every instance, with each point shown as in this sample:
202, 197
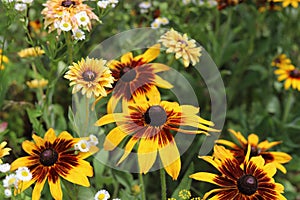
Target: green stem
143, 194
69, 48
288, 106
163, 184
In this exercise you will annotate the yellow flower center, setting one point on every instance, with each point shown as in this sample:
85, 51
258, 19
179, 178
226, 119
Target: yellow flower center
11, 181
48, 157
24, 173
101, 196
155, 116
247, 184
83, 19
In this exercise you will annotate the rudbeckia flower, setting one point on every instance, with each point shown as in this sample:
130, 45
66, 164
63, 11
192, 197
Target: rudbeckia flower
181, 46
257, 149
248, 181
51, 158
291, 75
31, 52
150, 122
286, 3
281, 61
135, 75
91, 76
3, 151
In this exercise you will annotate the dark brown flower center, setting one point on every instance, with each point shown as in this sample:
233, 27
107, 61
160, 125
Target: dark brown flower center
247, 184
183, 42
128, 74
68, 3
254, 151
295, 73
89, 75
48, 157
155, 116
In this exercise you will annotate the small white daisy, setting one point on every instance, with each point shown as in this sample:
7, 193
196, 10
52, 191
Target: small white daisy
103, 4
4, 167
145, 5
113, 2
102, 195
93, 140
23, 174
155, 24
78, 35
10, 180
7, 192
163, 20
82, 146
82, 18
65, 26
20, 6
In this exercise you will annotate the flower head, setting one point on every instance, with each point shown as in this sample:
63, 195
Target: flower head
82, 146
7, 192
51, 158
150, 122
102, 195
37, 83
184, 194
182, 47
3, 151
91, 76
286, 3
31, 52
3, 59
250, 180
79, 34
10, 180
291, 75
225, 3
4, 167
281, 61
257, 149
70, 14
23, 174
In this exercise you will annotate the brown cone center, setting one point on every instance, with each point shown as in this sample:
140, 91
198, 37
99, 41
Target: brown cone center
155, 116
247, 184
48, 157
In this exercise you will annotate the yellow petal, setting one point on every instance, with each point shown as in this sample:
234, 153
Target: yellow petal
242, 140
55, 189
150, 54
147, 152
112, 103
280, 157
109, 118
162, 83
50, 135
38, 140
270, 169
92, 150
280, 167
128, 148
24, 185
65, 135
153, 95
227, 143
253, 139
113, 139
265, 145
205, 176
170, 158
258, 161
21, 162
36, 193
127, 58
29, 146
158, 67
221, 153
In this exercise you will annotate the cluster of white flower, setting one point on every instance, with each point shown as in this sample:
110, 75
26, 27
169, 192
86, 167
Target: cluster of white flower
104, 3
103, 195
13, 180
84, 145
159, 21
144, 6
21, 5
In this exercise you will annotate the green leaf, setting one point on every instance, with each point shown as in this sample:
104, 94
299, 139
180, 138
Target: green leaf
34, 115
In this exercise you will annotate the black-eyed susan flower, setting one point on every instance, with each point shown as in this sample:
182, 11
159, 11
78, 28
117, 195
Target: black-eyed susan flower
291, 75
66, 15
91, 76
225, 3
135, 75
3, 59
257, 149
281, 61
251, 180
286, 3
181, 46
41, 83
51, 158
4, 151
31, 52
150, 121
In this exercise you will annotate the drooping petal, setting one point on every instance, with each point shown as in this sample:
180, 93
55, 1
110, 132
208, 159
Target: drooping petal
227, 143
265, 145
128, 148
113, 139
270, 169
112, 103
109, 118
206, 177
147, 152
242, 140
162, 83
159, 67
150, 54
36, 193
55, 189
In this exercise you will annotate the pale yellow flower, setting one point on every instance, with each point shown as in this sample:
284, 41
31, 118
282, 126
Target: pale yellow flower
286, 3
182, 47
3, 59
31, 52
3, 151
37, 83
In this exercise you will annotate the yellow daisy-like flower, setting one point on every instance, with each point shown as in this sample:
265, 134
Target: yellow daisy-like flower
135, 75
291, 75
248, 181
3, 151
31, 52
181, 46
37, 83
91, 76
286, 3
150, 122
73, 12
257, 149
51, 158
225, 3
3, 59
270, 5
281, 61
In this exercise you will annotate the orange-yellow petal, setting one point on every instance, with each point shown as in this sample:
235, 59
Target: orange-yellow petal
113, 139
28, 146
127, 58
150, 54
55, 189
147, 152
128, 148
109, 118
36, 193
50, 135
253, 139
21, 162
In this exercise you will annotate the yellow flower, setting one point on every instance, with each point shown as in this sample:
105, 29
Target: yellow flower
3, 59
257, 149
91, 76
31, 52
251, 180
150, 122
135, 75
3, 151
184, 194
291, 75
181, 46
73, 12
281, 61
37, 83
225, 3
51, 158
286, 3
